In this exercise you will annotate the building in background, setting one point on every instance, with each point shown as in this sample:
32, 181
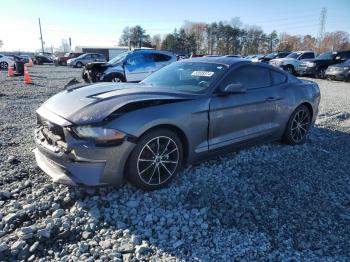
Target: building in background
108, 52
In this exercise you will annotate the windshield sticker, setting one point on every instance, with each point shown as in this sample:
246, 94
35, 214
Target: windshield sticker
202, 73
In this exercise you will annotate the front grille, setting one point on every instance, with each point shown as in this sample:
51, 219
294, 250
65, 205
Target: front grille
51, 131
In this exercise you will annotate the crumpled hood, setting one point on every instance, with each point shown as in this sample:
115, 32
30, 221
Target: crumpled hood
93, 103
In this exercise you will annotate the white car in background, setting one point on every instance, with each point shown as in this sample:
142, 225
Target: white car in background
5, 62
291, 61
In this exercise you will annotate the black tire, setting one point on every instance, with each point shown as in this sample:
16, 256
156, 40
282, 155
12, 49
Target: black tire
62, 63
4, 65
321, 73
156, 159
116, 78
290, 69
295, 134
79, 64
84, 75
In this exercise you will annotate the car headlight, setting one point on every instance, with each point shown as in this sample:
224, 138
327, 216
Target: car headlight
98, 134
346, 68
310, 64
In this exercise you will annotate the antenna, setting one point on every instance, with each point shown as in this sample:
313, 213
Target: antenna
321, 32
41, 37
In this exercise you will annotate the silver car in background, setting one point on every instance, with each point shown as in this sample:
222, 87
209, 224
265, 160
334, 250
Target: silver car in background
107, 133
84, 59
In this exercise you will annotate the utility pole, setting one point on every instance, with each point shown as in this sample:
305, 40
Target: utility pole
41, 37
322, 27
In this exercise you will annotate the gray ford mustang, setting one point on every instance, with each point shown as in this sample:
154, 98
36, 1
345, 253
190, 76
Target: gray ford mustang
107, 133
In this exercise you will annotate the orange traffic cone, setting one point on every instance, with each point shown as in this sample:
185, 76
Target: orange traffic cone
10, 71
30, 63
27, 79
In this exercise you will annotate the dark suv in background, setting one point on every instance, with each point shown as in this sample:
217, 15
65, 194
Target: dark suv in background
268, 57
317, 67
62, 60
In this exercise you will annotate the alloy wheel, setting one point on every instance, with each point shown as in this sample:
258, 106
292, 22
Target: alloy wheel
158, 160
300, 125
3, 65
116, 80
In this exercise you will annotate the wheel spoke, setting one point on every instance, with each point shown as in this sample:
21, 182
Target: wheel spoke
150, 149
172, 151
154, 170
146, 168
158, 146
167, 161
166, 147
146, 160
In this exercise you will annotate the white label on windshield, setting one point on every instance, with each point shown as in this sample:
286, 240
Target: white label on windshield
202, 73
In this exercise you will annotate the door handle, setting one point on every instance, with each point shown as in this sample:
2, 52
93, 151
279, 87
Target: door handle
271, 99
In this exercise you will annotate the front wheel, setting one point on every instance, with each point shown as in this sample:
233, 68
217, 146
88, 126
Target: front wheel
321, 73
298, 126
79, 64
290, 69
155, 160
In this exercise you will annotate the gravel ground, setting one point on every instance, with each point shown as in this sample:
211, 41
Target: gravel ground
267, 203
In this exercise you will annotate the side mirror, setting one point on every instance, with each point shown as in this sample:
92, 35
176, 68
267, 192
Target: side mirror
236, 88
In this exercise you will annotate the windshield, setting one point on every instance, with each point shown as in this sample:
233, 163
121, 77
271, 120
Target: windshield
294, 55
326, 55
118, 59
66, 55
191, 77
272, 55
347, 62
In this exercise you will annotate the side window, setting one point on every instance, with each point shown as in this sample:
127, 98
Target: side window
307, 55
277, 78
161, 57
250, 76
87, 57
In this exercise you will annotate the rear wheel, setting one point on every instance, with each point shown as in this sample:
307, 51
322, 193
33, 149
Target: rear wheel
4, 65
298, 126
155, 160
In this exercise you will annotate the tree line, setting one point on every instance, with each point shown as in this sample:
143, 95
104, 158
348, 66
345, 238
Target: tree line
231, 37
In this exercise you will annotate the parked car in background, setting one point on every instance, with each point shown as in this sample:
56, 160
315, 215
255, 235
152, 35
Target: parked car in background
5, 62
274, 55
291, 61
62, 59
107, 133
339, 71
84, 59
25, 58
256, 58
237, 56
132, 66
317, 67
43, 58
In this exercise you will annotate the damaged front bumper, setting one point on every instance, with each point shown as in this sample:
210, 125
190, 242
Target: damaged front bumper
74, 161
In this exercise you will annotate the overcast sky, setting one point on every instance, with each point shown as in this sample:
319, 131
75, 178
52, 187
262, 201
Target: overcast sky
91, 22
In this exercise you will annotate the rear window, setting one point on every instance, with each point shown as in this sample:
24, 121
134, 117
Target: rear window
277, 78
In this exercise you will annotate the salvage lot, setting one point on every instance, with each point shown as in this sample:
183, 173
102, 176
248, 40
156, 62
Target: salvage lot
263, 203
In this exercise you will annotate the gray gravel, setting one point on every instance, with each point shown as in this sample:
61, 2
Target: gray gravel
270, 202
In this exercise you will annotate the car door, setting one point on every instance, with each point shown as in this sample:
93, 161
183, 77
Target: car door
86, 59
240, 117
138, 66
